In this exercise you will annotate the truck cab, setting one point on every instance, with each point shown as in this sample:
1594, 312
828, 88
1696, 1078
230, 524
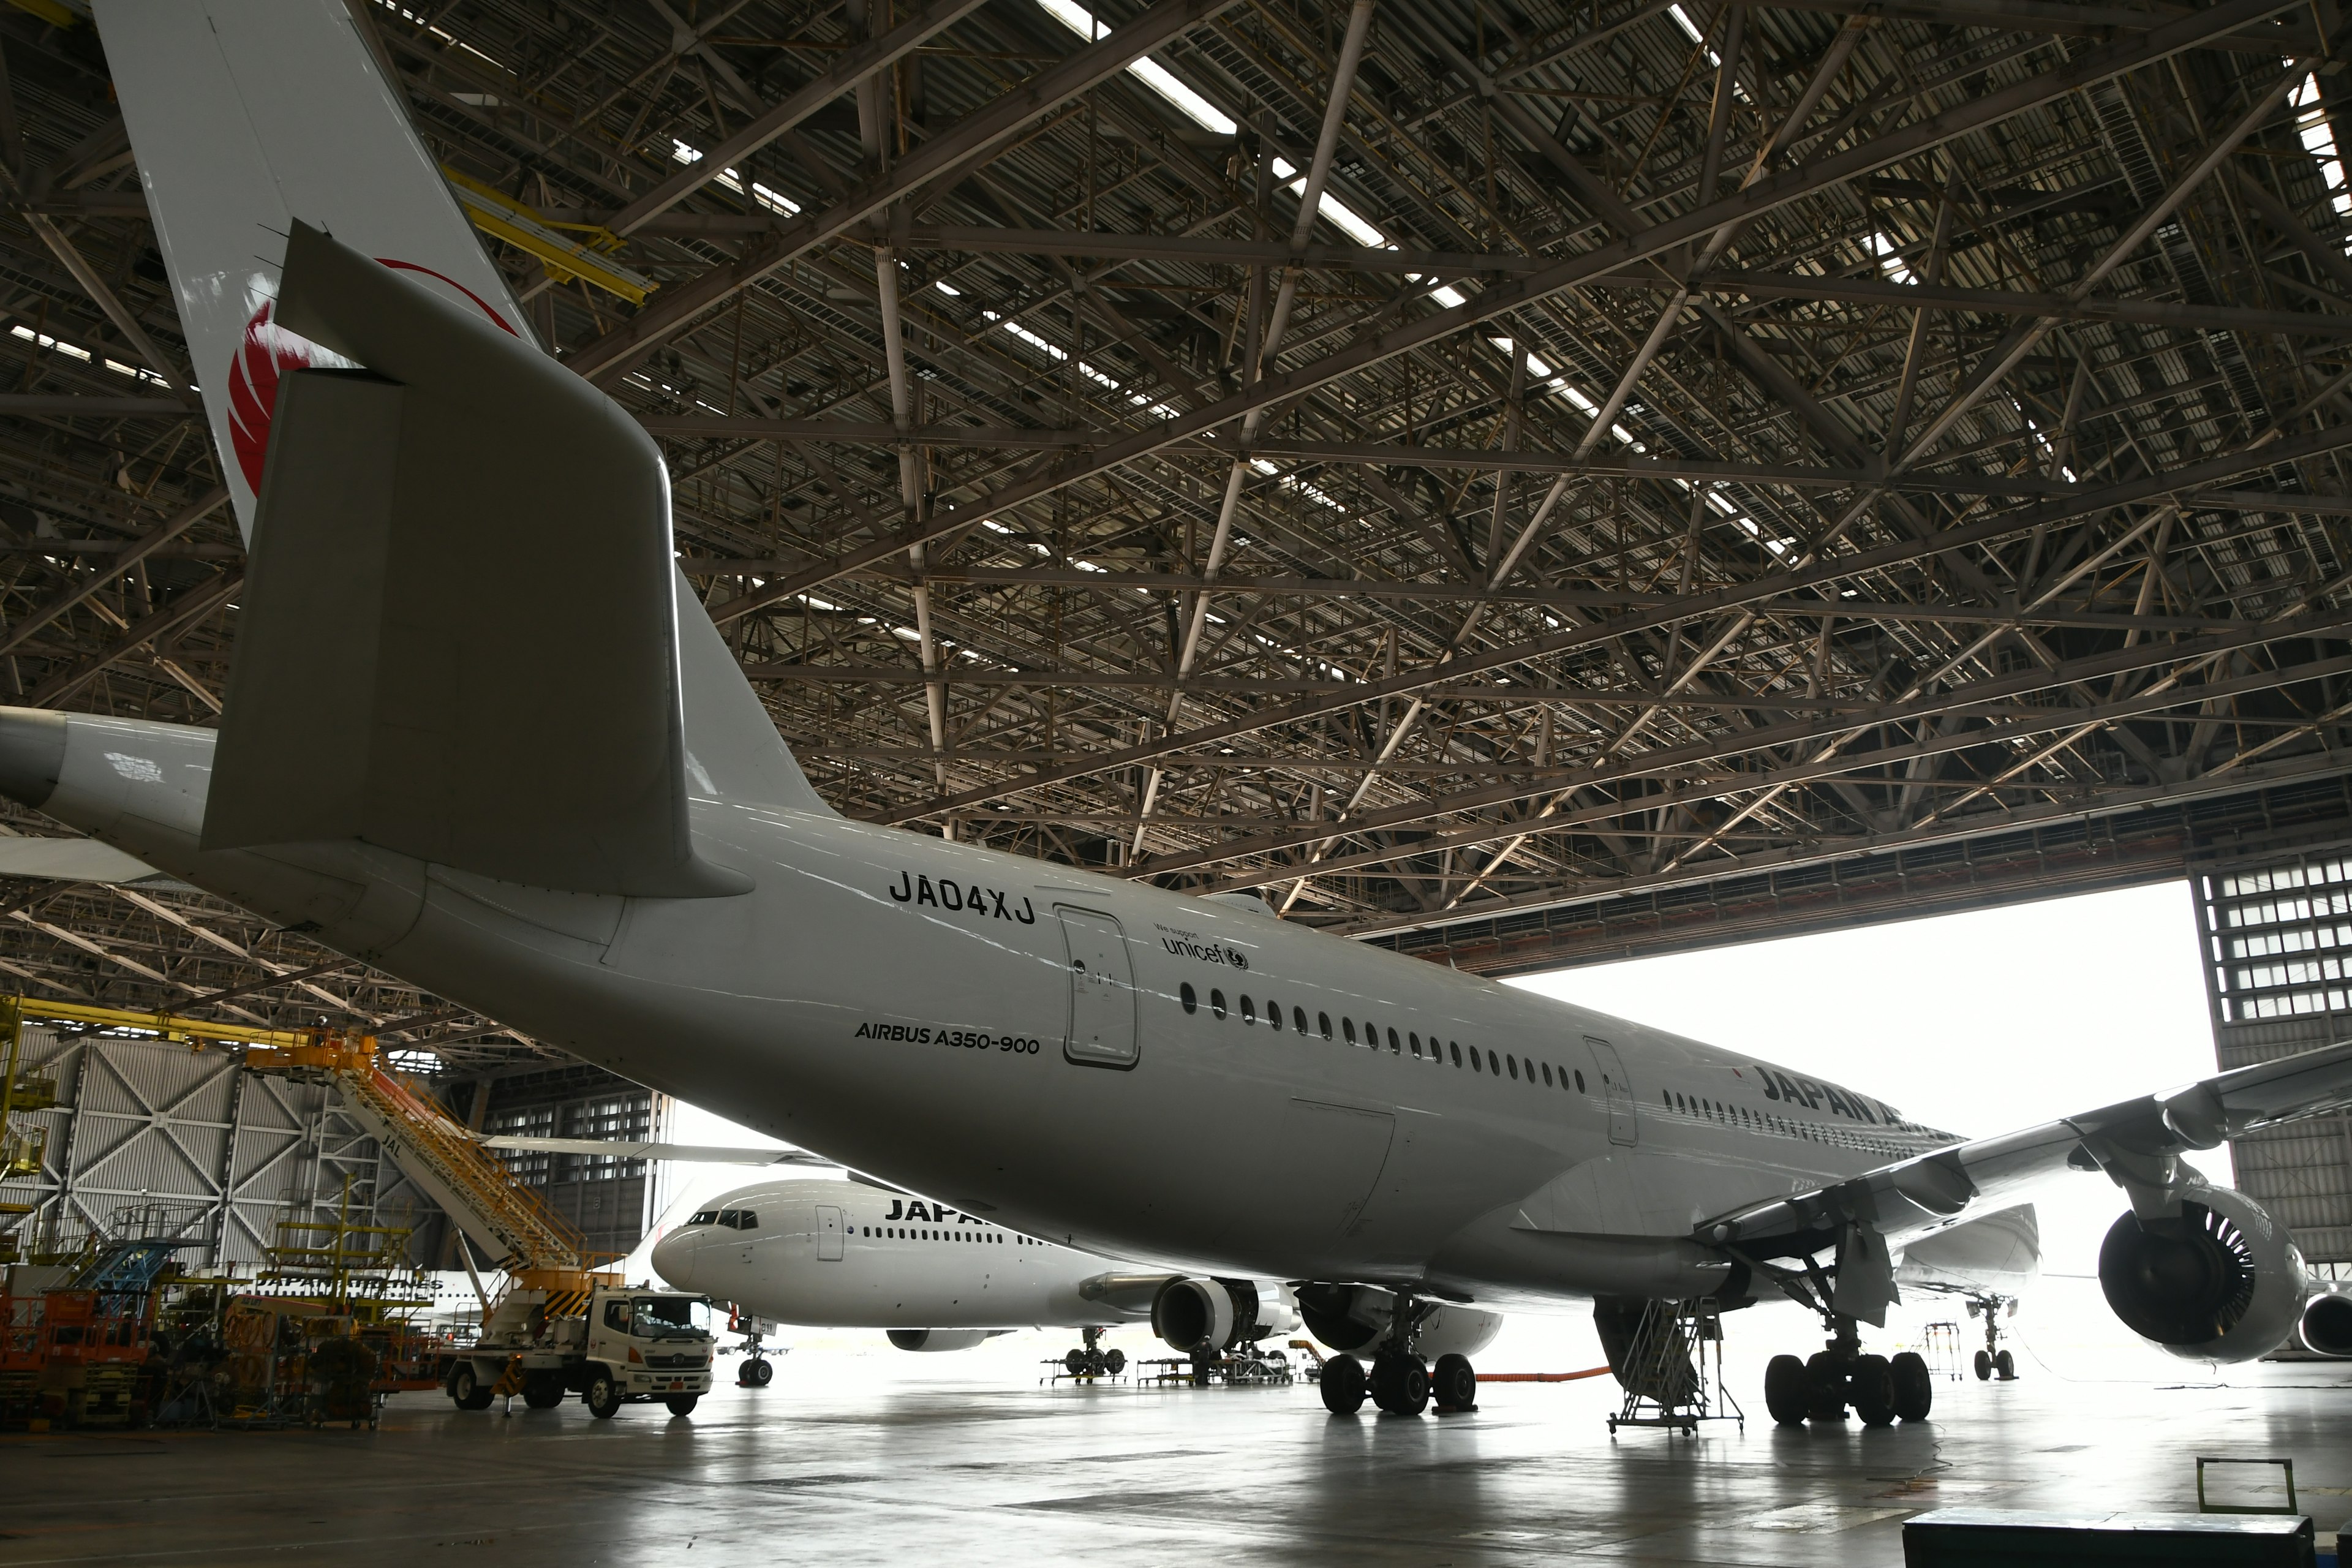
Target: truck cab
644, 1345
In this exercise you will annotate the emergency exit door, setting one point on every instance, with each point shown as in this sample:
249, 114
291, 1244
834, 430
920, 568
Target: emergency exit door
1624, 1126
828, 1234
1102, 991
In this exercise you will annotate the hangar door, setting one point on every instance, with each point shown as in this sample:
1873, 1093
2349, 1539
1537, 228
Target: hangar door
1102, 991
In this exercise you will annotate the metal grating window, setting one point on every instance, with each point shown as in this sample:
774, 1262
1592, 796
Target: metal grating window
2281, 941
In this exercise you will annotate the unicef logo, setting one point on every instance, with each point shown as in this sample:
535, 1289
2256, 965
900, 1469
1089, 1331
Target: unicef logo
1237, 958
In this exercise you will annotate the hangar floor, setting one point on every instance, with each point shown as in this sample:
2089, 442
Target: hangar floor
880, 1461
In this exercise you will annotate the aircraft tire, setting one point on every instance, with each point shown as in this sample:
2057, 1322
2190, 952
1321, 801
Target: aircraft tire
1453, 1383
1914, 1388
1408, 1386
1825, 1387
1787, 1394
2004, 1366
1115, 1362
1075, 1362
1984, 1365
682, 1403
1872, 1386
603, 1396
1343, 1385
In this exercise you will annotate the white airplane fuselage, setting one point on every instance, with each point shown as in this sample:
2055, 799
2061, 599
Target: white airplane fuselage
907, 1006
844, 1254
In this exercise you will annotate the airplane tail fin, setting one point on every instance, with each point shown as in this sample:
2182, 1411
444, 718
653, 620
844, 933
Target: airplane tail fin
247, 117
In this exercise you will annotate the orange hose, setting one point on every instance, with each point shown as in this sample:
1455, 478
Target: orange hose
1541, 1376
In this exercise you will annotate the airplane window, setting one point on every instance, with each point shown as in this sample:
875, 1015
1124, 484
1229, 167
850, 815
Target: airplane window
1249, 1011
1547, 1072
1346, 1024
1455, 1047
1323, 1023
1274, 1015
1217, 1004
1474, 1061
1492, 1066
1416, 1043
750, 1220
706, 1217
1192, 998
1298, 1021
1579, 1081
1395, 1047
1513, 1063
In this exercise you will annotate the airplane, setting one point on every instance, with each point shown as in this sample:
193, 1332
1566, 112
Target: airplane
851, 1255
479, 734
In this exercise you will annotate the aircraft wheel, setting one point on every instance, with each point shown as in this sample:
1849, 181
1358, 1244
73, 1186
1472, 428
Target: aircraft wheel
1914, 1388
1825, 1387
543, 1390
1074, 1363
2004, 1366
1872, 1390
603, 1396
1114, 1361
1343, 1385
466, 1388
1408, 1387
1787, 1393
1453, 1383
1984, 1365
682, 1403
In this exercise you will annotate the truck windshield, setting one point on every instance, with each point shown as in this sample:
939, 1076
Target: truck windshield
673, 1317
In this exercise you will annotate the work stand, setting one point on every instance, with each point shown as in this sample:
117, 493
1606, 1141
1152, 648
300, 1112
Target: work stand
1673, 1370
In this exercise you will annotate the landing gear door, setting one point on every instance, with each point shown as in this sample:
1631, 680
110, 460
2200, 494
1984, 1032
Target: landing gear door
1102, 991
1624, 1126
828, 1234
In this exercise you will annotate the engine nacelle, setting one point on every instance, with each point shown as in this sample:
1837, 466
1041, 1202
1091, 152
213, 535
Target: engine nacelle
942, 1339
2326, 1326
2223, 1282
1355, 1318
1194, 1313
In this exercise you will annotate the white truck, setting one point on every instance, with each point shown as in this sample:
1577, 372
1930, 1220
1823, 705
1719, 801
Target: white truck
610, 1345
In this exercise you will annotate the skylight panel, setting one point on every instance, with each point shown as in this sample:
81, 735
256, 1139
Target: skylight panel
1890, 258
2319, 141
1147, 70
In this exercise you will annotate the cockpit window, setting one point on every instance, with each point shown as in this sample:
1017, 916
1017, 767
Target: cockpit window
749, 1220
705, 1216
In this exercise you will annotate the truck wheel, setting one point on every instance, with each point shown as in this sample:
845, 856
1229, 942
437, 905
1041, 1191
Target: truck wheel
542, 1390
682, 1403
603, 1396
466, 1388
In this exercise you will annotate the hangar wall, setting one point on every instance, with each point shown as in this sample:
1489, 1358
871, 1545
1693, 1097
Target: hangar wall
2278, 939
150, 1138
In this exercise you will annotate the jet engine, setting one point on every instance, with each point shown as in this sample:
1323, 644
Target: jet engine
1194, 1313
2223, 1282
942, 1339
2326, 1326
1354, 1317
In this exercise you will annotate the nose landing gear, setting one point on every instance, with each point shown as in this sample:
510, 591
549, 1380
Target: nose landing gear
1992, 1360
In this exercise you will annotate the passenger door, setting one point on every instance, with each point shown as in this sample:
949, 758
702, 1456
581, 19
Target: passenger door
828, 1234
1625, 1126
1102, 991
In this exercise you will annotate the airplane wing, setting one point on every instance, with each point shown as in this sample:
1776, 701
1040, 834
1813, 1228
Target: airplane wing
2138, 1142
707, 1153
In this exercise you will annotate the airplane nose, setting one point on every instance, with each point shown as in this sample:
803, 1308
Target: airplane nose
674, 1259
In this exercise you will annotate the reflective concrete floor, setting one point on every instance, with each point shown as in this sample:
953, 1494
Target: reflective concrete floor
890, 1459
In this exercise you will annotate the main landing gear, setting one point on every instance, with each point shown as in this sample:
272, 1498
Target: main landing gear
1090, 1360
1880, 1390
1992, 1360
1400, 1382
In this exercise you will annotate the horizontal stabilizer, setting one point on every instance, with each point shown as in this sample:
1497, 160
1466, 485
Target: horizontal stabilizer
72, 860
459, 632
